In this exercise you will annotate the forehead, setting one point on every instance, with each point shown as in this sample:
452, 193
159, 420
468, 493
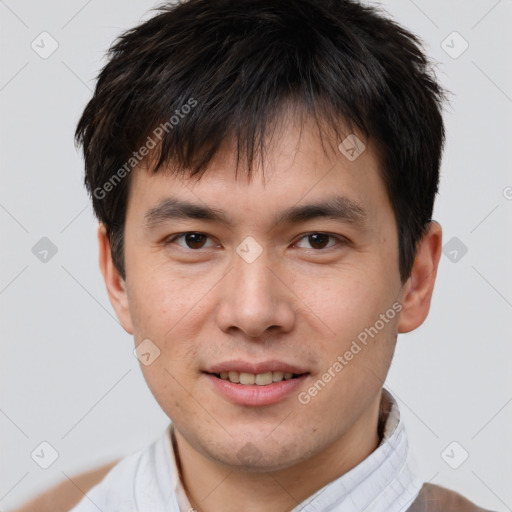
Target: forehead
298, 168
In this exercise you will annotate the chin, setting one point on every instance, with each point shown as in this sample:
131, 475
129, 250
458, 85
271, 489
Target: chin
259, 454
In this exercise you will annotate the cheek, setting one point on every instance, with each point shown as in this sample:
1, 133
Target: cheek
157, 303
342, 302
346, 308
163, 383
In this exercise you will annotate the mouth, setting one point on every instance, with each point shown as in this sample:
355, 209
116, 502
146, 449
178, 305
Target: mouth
258, 384
258, 379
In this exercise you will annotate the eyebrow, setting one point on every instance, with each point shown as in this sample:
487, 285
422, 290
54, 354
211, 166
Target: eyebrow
339, 208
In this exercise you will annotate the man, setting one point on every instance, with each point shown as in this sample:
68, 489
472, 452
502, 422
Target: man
264, 173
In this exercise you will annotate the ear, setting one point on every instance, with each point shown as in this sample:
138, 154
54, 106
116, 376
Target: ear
116, 286
418, 289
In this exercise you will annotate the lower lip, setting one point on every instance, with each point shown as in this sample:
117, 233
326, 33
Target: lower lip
242, 394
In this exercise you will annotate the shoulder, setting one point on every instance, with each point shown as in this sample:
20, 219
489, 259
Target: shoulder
119, 486
433, 498
68, 493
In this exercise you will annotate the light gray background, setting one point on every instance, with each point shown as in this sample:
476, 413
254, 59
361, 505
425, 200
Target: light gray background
68, 375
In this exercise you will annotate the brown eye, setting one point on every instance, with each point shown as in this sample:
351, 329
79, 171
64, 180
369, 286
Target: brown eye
195, 240
319, 241
190, 240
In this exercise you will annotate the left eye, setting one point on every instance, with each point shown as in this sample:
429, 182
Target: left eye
192, 240
319, 240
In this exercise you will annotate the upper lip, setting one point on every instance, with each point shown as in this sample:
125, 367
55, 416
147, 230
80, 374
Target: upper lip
255, 368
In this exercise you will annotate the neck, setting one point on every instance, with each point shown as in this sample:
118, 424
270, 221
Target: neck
212, 487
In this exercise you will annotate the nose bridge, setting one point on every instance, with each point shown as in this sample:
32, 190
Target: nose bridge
254, 291
254, 299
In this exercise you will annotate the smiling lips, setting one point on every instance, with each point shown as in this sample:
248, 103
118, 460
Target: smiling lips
255, 383
260, 379
260, 374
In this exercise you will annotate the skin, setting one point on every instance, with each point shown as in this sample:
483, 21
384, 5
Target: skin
296, 303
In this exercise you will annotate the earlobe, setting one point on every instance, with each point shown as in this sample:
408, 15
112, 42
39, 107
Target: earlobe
116, 285
418, 290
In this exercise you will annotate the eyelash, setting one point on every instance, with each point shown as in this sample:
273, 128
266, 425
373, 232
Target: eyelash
340, 239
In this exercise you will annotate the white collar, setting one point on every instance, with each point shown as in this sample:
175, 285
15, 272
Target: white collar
386, 481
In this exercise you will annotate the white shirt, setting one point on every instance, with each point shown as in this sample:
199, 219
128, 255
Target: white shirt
149, 480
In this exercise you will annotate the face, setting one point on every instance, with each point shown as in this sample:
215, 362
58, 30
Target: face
257, 280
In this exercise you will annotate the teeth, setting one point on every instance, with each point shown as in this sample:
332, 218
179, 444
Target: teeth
234, 376
247, 378
264, 378
260, 379
277, 376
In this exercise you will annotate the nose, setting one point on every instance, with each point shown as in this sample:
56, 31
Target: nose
255, 299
